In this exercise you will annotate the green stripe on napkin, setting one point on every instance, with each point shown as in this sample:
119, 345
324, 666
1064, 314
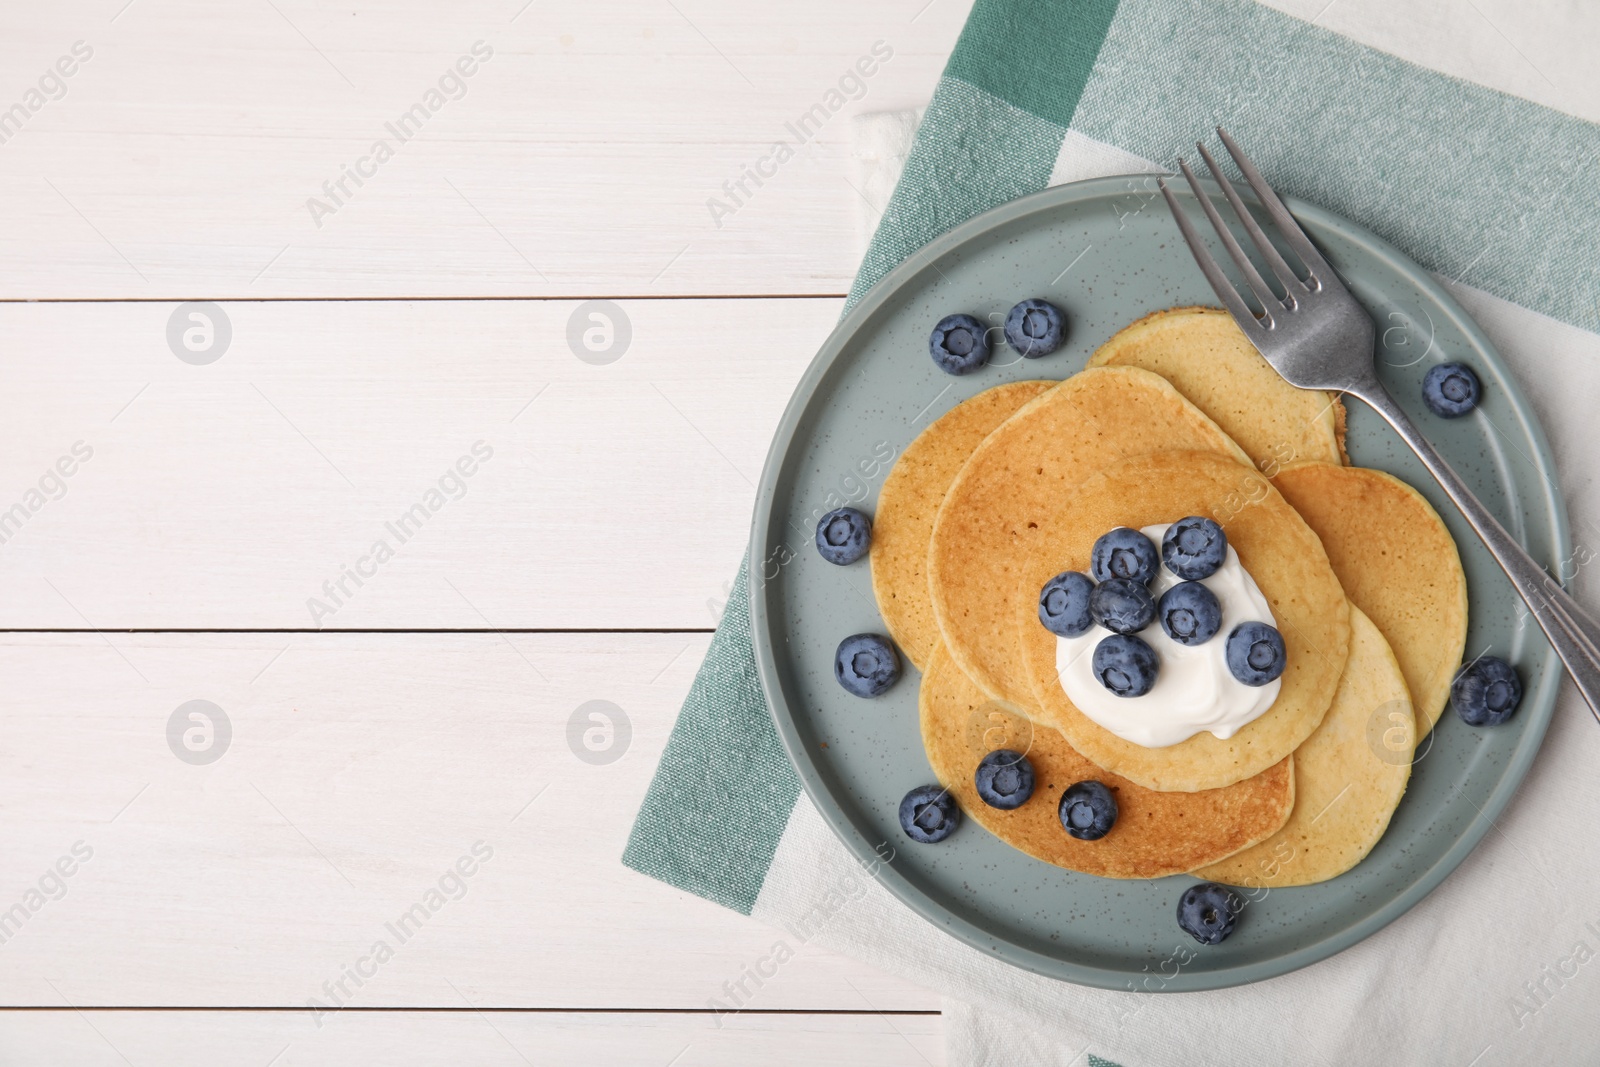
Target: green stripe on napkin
1034, 54
1484, 188
973, 152
996, 122
724, 790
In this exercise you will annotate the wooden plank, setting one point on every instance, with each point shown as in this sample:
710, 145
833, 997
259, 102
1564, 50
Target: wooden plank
580, 157
401, 1039
617, 495
226, 495
418, 791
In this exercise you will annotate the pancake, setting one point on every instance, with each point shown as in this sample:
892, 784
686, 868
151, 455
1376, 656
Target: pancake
1349, 776
1398, 563
1275, 546
902, 523
1011, 490
1155, 834
1205, 355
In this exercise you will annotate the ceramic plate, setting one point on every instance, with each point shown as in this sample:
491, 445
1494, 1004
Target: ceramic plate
1107, 252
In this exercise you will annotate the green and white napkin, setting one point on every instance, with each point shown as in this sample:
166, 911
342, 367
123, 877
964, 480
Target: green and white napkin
1495, 195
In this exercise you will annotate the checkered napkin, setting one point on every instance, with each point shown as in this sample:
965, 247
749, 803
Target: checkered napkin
1492, 193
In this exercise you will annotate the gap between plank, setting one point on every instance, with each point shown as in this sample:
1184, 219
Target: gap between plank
456, 1010
409, 299
357, 630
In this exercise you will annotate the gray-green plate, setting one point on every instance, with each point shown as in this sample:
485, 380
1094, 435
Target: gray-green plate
1107, 252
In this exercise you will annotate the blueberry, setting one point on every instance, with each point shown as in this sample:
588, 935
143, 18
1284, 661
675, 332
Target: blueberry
1123, 553
1004, 779
1255, 653
866, 664
843, 535
1064, 604
1486, 692
959, 344
1194, 548
1122, 606
1190, 613
928, 814
1125, 665
1450, 390
1207, 912
1088, 811
1035, 328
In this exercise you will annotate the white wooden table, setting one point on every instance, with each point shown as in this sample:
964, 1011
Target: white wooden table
182, 521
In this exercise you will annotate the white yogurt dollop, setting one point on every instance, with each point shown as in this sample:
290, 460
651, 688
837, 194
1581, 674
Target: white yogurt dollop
1194, 689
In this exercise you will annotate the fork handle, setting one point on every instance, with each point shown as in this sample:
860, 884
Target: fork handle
1572, 631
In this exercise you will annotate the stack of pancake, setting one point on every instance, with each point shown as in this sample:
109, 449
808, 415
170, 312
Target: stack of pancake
1176, 415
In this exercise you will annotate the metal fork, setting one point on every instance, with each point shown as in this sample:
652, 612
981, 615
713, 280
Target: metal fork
1317, 337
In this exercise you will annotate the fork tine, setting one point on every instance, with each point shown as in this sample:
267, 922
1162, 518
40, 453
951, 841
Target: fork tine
1208, 266
1252, 277
1292, 285
1280, 215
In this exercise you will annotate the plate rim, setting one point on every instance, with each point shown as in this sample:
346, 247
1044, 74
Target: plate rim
1539, 704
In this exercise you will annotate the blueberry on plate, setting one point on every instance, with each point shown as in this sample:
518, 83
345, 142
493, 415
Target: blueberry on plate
1125, 665
844, 535
1064, 604
959, 344
1255, 653
1088, 811
1122, 606
1190, 613
866, 664
1486, 692
1194, 548
1035, 328
928, 814
1004, 779
1451, 390
1123, 553
1207, 912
